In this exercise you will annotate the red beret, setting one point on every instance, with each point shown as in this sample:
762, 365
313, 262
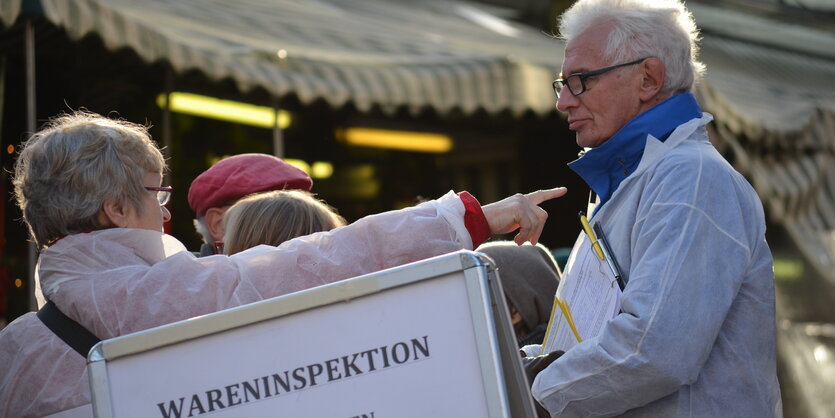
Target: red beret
235, 177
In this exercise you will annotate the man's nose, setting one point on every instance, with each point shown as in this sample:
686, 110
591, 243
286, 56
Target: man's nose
566, 100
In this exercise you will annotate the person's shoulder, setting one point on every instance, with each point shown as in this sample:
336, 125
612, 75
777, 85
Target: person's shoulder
13, 335
695, 171
694, 158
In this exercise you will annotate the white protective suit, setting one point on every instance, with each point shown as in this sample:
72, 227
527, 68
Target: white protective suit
118, 281
696, 337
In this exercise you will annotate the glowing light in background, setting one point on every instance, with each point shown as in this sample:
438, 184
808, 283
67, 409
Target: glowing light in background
321, 170
399, 140
821, 354
226, 110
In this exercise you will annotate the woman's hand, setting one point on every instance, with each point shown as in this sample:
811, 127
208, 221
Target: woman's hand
521, 211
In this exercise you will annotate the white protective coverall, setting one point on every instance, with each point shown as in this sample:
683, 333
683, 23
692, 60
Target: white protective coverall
118, 281
696, 336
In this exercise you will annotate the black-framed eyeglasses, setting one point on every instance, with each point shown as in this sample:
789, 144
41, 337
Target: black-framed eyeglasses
163, 193
576, 82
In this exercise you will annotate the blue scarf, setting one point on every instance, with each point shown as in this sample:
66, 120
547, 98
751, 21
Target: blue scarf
604, 167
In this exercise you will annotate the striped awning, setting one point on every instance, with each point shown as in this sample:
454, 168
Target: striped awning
412, 54
769, 84
9, 11
771, 88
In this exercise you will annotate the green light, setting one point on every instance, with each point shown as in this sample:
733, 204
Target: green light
787, 269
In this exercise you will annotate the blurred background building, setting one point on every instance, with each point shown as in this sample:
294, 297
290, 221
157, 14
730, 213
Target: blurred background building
385, 102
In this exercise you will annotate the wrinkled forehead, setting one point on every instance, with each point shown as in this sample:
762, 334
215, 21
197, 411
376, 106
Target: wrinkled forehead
586, 51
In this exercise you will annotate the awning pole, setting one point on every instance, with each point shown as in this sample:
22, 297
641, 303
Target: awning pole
166, 116
29, 39
278, 136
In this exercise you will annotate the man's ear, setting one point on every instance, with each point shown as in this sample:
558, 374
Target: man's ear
214, 223
115, 214
654, 75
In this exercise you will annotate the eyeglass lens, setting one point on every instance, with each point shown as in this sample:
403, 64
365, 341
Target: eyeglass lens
163, 196
163, 193
573, 82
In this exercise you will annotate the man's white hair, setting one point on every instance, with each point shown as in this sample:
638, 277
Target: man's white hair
203, 230
663, 29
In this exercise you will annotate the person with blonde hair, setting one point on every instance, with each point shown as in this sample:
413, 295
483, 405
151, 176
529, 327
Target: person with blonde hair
274, 217
91, 195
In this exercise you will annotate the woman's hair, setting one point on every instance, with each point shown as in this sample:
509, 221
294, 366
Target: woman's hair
73, 165
663, 29
274, 217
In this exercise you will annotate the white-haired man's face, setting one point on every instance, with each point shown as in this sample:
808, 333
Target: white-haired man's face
610, 100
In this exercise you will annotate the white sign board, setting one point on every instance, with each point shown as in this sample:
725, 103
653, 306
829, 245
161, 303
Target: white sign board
419, 340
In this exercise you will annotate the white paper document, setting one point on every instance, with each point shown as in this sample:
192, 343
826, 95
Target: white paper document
588, 292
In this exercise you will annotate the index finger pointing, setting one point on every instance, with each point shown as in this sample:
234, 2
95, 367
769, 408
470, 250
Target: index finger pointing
540, 196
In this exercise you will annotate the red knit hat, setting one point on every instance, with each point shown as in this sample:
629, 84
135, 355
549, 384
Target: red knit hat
235, 177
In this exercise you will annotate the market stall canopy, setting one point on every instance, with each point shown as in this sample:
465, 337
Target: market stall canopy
9, 11
773, 75
771, 86
769, 83
415, 54
440, 54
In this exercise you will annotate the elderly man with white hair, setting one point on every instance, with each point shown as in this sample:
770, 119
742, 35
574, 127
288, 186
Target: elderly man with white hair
696, 335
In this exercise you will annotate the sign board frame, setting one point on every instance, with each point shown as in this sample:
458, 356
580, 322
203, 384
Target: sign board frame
503, 384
